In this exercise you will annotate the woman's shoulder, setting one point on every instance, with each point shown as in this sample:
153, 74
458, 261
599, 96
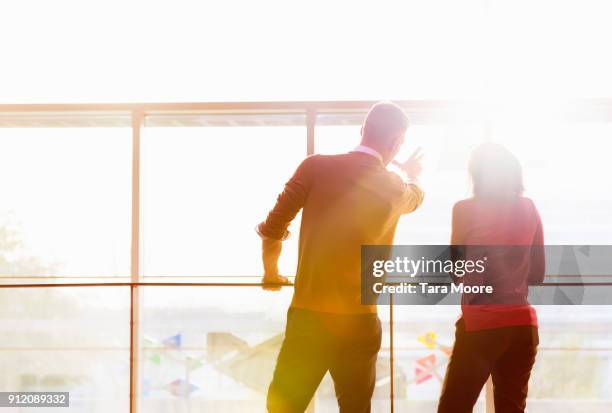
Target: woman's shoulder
470, 207
473, 202
527, 202
464, 204
464, 209
530, 208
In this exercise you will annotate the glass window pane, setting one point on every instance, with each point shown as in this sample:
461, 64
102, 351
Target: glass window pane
423, 339
571, 374
206, 188
224, 341
66, 201
67, 339
574, 364
333, 139
567, 173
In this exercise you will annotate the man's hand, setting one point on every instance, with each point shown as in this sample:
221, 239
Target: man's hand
412, 167
270, 251
273, 282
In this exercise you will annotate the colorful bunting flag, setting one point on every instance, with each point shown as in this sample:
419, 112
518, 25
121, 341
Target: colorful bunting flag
173, 342
155, 358
429, 339
193, 363
181, 388
424, 368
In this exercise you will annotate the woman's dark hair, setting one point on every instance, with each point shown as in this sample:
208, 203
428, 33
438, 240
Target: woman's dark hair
495, 172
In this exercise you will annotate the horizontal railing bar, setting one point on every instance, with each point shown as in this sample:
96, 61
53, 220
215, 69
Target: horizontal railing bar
231, 276
207, 114
242, 284
146, 284
160, 349
123, 276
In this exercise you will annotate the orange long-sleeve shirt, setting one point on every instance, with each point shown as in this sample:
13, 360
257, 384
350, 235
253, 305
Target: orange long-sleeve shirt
348, 200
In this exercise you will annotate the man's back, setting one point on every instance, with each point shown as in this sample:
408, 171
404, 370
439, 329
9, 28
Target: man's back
348, 200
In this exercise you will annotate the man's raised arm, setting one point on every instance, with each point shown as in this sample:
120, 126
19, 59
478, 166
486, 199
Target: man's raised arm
413, 196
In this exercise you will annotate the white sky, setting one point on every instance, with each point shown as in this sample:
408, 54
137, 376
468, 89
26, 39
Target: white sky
180, 50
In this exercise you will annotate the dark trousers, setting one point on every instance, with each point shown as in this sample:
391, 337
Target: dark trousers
507, 354
344, 345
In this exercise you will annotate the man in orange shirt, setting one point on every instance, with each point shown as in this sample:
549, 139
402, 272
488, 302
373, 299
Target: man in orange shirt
347, 201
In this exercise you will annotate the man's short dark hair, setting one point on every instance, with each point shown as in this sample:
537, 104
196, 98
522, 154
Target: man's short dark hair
384, 122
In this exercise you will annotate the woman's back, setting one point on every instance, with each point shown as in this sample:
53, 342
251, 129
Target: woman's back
510, 233
497, 336
484, 222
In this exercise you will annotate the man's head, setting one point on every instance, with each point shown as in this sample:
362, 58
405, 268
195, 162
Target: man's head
384, 129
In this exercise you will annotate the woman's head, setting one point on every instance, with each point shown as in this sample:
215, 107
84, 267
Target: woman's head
495, 172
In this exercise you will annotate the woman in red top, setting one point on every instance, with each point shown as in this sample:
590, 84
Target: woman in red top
497, 334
